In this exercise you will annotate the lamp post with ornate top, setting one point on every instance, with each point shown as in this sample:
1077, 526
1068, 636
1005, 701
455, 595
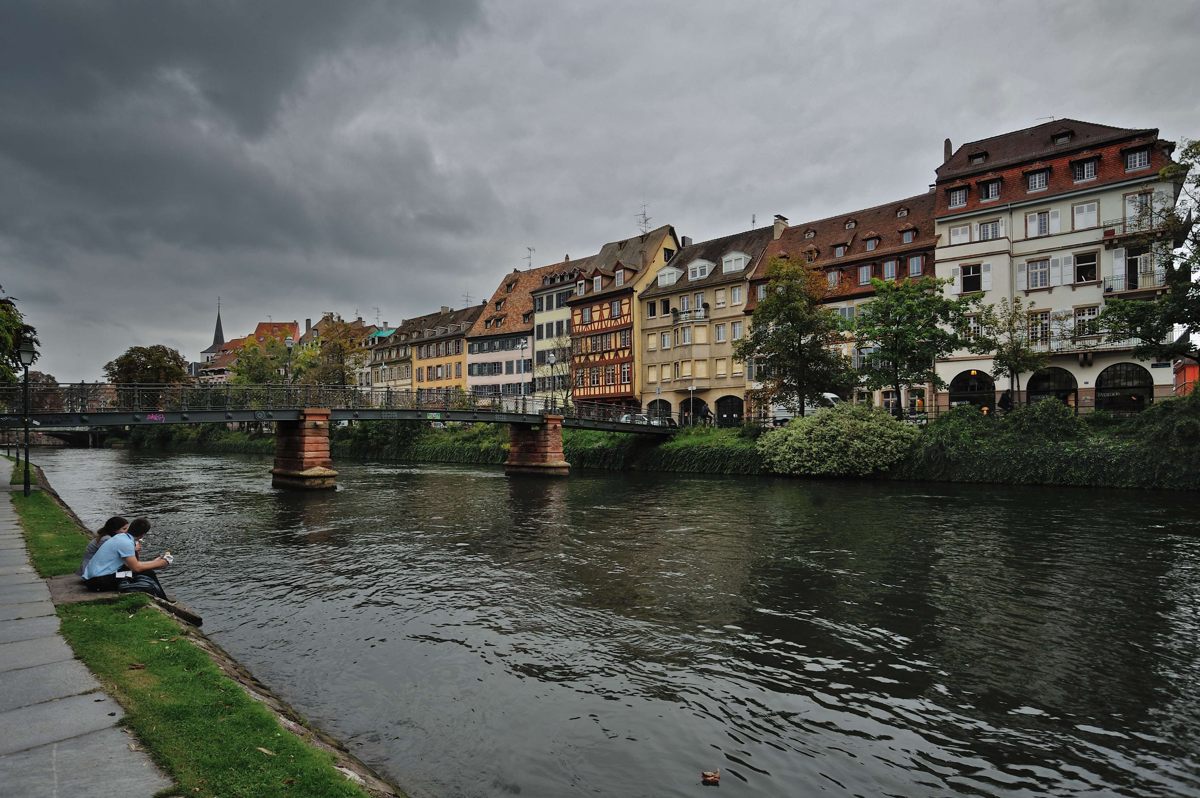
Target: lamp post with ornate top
27, 354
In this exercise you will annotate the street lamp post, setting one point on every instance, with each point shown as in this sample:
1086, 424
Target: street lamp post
522, 345
27, 354
691, 405
551, 359
289, 342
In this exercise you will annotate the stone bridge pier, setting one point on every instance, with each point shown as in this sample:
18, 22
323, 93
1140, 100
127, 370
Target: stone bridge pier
537, 449
302, 460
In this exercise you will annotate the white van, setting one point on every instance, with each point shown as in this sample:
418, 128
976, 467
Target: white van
782, 414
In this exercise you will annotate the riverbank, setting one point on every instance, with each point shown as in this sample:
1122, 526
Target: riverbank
211, 726
1046, 444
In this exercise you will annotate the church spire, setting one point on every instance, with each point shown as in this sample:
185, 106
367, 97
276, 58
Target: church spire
218, 333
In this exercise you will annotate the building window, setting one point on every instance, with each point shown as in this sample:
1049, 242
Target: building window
960, 234
666, 340
651, 309
978, 158
1037, 181
610, 375
699, 300
908, 236
720, 366
974, 328
1038, 224
872, 243
831, 278
597, 281
864, 275
1085, 267
664, 308
580, 287
839, 250
735, 329
1087, 320
585, 315
1039, 327
594, 376
719, 297
651, 342
915, 264
1086, 214
619, 277
685, 303
901, 213
851, 224
652, 374
889, 270
1039, 273
762, 291
614, 309
625, 337
719, 332
989, 230
972, 278
735, 295
734, 263
989, 191
1084, 170
698, 270
1137, 159
810, 233
685, 335
958, 197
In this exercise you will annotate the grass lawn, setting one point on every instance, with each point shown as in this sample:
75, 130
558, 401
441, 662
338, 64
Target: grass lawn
55, 542
199, 725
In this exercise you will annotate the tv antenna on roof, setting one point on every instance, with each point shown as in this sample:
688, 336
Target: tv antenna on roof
529, 257
643, 220
466, 300
1045, 119
376, 316
753, 220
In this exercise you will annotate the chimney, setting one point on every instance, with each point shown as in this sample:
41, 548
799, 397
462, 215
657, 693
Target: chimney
567, 258
445, 308
685, 241
947, 151
307, 326
780, 225
385, 325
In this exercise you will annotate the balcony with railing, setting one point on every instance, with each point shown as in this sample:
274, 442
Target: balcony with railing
1147, 225
1136, 279
687, 316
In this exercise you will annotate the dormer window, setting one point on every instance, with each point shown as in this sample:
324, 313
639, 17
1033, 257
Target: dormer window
1084, 170
619, 277
580, 287
597, 281
810, 254
1062, 137
901, 213
908, 236
978, 157
510, 286
958, 197
699, 269
872, 243
668, 276
1137, 159
499, 304
839, 250
734, 262
810, 233
851, 224
989, 190
1037, 181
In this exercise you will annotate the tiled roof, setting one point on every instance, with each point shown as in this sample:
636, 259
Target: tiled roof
279, 330
882, 222
515, 295
452, 324
633, 254
1032, 143
751, 242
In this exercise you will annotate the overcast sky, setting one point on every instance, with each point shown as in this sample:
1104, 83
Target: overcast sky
297, 157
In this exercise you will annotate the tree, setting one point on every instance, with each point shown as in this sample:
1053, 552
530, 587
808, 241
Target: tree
45, 396
794, 341
12, 329
334, 357
148, 365
904, 329
1004, 331
260, 364
1152, 324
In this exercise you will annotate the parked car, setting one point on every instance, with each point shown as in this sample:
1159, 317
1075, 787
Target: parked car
782, 414
663, 421
634, 418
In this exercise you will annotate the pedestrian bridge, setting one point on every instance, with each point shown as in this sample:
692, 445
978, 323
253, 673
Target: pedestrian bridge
302, 415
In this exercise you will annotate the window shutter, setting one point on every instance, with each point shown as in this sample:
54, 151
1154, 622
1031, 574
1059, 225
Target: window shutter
1068, 269
956, 275
985, 276
1021, 277
1054, 222
1055, 271
1002, 227
1031, 225
1118, 264
1077, 221
975, 232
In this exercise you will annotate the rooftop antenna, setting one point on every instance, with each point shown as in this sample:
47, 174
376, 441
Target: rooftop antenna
466, 300
376, 316
753, 220
1045, 119
529, 257
643, 220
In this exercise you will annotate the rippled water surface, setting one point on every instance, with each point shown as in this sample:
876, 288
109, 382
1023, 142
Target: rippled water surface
615, 634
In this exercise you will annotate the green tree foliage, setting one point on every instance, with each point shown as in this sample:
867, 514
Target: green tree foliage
909, 324
260, 364
1152, 324
12, 329
845, 441
148, 365
334, 357
1005, 335
794, 341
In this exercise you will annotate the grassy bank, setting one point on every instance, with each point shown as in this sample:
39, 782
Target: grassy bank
200, 726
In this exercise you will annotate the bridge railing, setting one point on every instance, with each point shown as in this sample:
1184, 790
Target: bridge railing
90, 398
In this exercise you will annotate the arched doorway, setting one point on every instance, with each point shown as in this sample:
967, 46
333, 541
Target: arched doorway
730, 411
1124, 388
693, 412
974, 387
1052, 382
659, 408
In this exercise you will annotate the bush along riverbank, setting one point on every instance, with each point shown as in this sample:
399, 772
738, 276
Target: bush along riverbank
1043, 444
203, 728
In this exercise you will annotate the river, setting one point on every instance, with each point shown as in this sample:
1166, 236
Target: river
470, 634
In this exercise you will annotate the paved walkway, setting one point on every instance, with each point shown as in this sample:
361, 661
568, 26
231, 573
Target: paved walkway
58, 729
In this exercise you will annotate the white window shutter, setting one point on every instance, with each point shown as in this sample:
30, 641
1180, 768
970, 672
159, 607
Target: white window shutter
1002, 227
1055, 271
975, 232
1054, 222
1031, 225
1077, 220
1118, 264
1021, 283
1068, 269
985, 276
956, 275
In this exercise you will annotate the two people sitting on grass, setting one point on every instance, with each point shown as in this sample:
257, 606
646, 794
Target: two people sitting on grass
111, 527
115, 565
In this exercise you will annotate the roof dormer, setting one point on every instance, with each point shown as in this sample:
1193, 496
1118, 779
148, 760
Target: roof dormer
851, 224
699, 269
978, 158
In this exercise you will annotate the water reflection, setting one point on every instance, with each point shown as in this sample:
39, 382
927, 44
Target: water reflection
615, 634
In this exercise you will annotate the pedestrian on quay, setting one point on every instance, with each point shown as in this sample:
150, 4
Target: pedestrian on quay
111, 527
115, 565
